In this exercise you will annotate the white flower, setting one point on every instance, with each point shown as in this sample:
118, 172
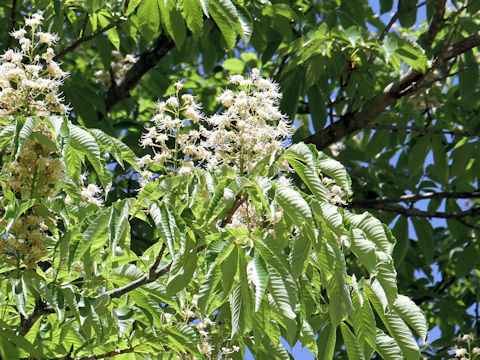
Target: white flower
20, 33
172, 101
178, 85
47, 38
459, 351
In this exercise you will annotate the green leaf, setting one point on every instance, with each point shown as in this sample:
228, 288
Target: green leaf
307, 338
148, 18
403, 242
329, 214
326, 342
193, 14
373, 229
335, 170
85, 142
396, 327
387, 276
426, 242
116, 148
412, 314
363, 249
293, 204
387, 347
118, 226
363, 317
224, 14
413, 55
282, 289
208, 286
20, 294
353, 348
124, 317
301, 249
22, 133
6, 135
173, 21
229, 266
19, 341
468, 79
257, 274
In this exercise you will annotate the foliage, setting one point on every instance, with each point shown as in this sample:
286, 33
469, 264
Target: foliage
200, 260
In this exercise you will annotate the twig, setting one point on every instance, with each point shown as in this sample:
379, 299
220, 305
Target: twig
143, 280
146, 61
419, 213
471, 226
154, 267
236, 204
419, 129
435, 24
14, 22
83, 39
418, 197
464, 7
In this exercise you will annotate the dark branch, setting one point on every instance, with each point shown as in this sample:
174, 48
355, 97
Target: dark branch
145, 279
419, 129
87, 38
417, 197
407, 83
146, 61
40, 309
419, 213
436, 23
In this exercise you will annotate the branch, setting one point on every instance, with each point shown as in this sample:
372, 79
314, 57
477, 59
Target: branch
146, 61
14, 22
419, 213
419, 129
418, 197
87, 38
435, 24
40, 309
145, 279
407, 83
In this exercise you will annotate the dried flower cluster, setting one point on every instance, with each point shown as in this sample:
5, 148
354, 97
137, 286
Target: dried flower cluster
29, 77
32, 175
118, 68
250, 128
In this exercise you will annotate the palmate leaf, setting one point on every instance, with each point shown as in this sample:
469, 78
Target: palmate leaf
224, 13
282, 289
335, 170
208, 286
362, 317
363, 249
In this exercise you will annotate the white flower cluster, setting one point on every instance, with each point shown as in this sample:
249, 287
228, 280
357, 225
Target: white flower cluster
466, 352
91, 192
336, 191
250, 128
30, 80
118, 68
